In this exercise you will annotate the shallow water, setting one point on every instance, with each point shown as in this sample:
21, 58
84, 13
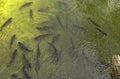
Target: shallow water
92, 49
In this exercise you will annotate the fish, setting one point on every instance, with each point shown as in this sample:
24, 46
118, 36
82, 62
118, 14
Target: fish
45, 28
74, 46
22, 46
14, 54
12, 40
53, 46
38, 52
93, 22
101, 31
26, 62
59, 21
26, 5
72, 50
15, 76
40, 37
26, 75
55, 54
37, 65
6, 23
31, 14
37, 61
61, 5
55, 38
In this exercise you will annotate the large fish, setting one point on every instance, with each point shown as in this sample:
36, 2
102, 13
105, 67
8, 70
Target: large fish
37, 61
58, 56
93, 22
14, 54
37, 65
72, 50
102, 32
12, 40
38, 52
6, 23
61, 5
22, 46
26, 75
31, 14
26, 62
55, 38
55, 54
40, 37
45, 28
15, 76
53, 46
59, 21
26, 5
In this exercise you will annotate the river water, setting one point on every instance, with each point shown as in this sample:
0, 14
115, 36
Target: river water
81, 50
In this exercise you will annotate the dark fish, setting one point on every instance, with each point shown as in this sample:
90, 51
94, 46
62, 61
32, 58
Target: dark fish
53, 46
45, 28
22, 46
55, 54
31, 13
12, 40
26, 74
37, 65
38, 52
74, 45
13, 57
72, 50
26, 62
93, 22
6, 23
26, 5
40, 37
59, 21
14, 76
55, 38
37, 61
61, 5
101, 31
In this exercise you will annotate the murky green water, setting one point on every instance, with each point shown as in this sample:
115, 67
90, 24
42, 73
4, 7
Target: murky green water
92, 48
